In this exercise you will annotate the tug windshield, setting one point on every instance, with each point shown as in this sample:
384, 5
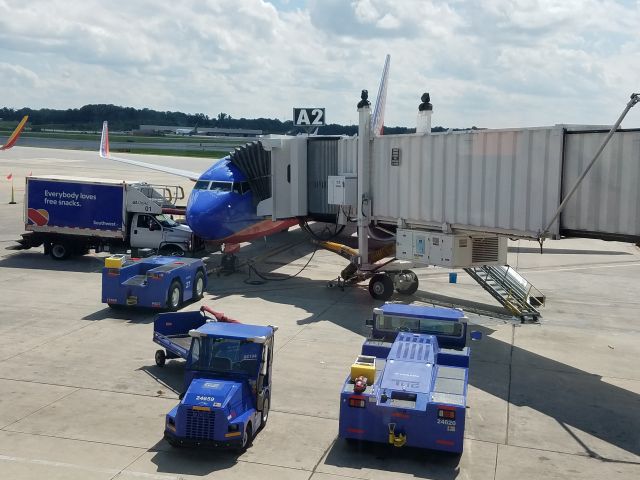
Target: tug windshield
395, 323
225, 355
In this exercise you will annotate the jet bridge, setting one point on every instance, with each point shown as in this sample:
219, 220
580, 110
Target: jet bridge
483, 185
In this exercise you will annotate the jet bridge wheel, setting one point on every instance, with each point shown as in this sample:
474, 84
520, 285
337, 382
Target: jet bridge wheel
406, 282
381, 286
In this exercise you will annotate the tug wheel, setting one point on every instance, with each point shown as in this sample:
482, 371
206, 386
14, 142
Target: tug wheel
381, 286
174, 296
247, 438
265, 413
198, 286
161, 358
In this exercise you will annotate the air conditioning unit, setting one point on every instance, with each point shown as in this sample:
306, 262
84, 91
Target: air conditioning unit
343, 190
450, 250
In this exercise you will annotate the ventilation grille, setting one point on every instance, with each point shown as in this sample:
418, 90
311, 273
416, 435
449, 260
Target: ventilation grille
484, 250
200, 424
413, 348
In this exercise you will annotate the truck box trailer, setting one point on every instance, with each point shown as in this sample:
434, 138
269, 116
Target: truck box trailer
71, 215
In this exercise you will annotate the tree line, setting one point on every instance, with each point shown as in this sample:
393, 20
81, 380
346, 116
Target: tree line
90, 117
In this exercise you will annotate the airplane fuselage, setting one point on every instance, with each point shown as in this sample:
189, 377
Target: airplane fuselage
221, 207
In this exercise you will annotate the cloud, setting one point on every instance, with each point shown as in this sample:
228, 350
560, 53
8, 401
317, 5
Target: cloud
497, 63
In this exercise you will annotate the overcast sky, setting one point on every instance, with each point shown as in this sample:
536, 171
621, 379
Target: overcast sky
491, 63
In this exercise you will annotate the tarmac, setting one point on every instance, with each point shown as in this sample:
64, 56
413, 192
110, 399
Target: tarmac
81, 396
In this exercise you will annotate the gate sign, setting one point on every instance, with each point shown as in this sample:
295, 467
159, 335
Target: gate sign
308, 117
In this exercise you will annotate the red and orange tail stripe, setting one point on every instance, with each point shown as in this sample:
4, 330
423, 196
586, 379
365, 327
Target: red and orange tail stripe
16, 134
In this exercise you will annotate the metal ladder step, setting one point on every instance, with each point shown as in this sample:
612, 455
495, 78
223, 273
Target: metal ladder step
509, 288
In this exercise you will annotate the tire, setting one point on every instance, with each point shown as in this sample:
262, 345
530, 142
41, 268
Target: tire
381, 286
60, 251
161, 358
174, 296
412, 287
171, 251
264, 416
173, 443
198, 285
247, 438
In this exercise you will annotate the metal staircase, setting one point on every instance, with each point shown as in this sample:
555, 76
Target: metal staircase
510, 289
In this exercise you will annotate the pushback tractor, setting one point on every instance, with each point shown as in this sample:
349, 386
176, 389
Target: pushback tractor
409, 385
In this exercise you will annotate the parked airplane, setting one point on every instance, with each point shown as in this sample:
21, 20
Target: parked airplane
222, 207
16, 134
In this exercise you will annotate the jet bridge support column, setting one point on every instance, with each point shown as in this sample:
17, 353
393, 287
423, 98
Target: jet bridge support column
364, 177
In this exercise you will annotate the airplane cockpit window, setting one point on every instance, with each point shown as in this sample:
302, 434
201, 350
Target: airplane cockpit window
201, 185
221, 186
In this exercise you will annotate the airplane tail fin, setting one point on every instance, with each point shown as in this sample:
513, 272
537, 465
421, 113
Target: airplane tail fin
377, 118
16, 134
104, 140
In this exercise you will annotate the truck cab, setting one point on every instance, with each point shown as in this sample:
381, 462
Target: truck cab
228, 386
160, 232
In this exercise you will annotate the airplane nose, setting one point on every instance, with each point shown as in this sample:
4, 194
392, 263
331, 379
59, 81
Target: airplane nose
207, 215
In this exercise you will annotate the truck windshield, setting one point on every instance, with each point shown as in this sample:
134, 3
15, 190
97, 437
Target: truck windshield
165, 221
225, 355
394, 323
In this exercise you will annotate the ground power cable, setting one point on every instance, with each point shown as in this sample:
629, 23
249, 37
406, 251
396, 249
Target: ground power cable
265, 278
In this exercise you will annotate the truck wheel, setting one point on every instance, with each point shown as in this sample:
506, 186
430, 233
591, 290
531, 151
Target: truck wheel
198, 285
381, 286
247, 438
59, 251
411, 287
174, 296
171, 251
161, 358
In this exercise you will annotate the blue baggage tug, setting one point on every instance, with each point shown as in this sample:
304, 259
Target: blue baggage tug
227, 378
409, 386
155, 282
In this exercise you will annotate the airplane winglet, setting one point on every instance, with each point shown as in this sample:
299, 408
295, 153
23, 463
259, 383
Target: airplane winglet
104, 153
16, 134
377, 118
104, 140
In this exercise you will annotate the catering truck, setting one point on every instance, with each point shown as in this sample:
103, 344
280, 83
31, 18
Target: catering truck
72, 215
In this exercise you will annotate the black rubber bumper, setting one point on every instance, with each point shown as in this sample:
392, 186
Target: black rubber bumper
232, 443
